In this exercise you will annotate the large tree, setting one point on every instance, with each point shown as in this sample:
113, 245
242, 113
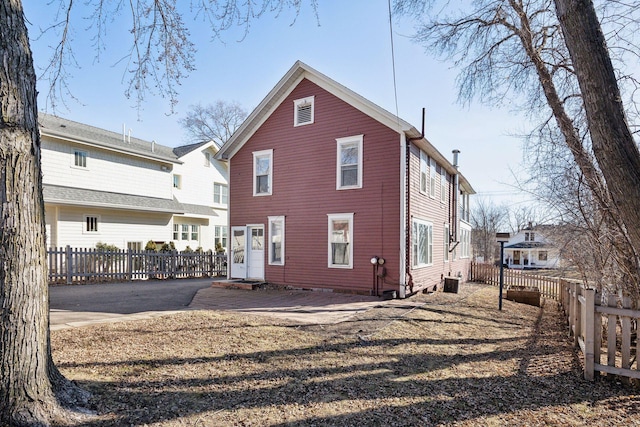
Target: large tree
32, 390
526, 51
213, 122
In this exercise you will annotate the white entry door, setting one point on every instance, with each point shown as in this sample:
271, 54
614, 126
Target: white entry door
255, 268
238, 252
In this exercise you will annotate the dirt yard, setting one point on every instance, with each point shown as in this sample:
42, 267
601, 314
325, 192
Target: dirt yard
455, 360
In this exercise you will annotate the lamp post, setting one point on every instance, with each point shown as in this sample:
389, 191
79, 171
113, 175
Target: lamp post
501, 238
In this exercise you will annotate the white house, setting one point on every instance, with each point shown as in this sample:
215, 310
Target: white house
109, 187
531, 248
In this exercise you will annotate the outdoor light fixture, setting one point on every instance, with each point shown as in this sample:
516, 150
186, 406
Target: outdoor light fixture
380, 261
374, 260
502, 238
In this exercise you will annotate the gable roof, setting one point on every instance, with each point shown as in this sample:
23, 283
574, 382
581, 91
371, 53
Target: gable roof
186, 149
80, 133
288, 83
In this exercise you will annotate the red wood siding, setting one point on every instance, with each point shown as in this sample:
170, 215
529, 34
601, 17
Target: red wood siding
434, 211
304, 191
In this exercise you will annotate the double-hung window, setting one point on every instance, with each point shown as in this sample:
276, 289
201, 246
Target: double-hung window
276, 240
424, 166
422, 237
220, 236
443, 185
432, 179
349, 162
340, 240
465, 243
262, 172
220, 194
80, 158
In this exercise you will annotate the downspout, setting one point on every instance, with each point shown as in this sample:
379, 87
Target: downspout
408, 206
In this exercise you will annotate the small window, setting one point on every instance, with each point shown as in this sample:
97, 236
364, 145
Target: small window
220, 236
465, 243
177, 181
432, 179
195, 230
207, 159
542, 255
134, 246
349, 163
422, 238
185, 232
262, 172
91, 224
276, 240
443, 185
424, 166
80, 158
303, 111
176, 231
220, 194
340, 240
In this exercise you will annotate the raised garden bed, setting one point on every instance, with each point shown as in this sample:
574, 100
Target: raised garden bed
524, 294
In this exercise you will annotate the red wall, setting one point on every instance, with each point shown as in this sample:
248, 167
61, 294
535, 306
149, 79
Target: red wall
304, 191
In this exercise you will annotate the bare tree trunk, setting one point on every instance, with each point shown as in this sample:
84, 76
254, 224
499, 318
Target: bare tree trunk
614, 148
27, 371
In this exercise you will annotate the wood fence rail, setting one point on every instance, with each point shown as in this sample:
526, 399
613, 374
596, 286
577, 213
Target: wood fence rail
604, 327
71, 265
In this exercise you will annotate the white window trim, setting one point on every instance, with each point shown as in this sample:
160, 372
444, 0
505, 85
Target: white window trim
445, 238
465, 242
279, 219
358, 139
303, 101
443, 185
73, 159
207, 159
414, 243
340, 216
424, 171
221, 185
84, 224
432, 178
173, 181
263, 153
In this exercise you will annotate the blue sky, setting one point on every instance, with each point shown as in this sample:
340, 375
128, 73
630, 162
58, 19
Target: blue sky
351, 45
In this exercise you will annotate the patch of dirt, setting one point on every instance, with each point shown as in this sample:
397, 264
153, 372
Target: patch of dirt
436, 359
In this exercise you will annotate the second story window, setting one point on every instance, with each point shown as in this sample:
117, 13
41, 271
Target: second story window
303, 111
424, 167
177, 181
432, 178
220, 194
80, 158
262, 172
90, 224
349, 163
207, 159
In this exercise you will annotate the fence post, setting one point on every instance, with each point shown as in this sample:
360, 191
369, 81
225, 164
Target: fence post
597, 330
129, 264
69, 267
589, 338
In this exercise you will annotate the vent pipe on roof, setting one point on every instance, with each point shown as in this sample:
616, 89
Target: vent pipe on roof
129, 141
153, 146
124, 133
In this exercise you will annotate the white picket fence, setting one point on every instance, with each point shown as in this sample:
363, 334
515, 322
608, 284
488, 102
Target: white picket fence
71, 265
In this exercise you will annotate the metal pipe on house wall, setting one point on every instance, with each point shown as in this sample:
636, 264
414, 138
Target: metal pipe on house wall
455, 199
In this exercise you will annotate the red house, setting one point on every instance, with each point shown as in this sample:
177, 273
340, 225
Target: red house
328, 191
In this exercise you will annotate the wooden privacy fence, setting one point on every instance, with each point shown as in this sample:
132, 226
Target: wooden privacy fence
549, 287
69, 265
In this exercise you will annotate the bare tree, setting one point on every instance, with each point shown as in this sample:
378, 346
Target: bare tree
213, 122
32, 390
516, 50
487, 219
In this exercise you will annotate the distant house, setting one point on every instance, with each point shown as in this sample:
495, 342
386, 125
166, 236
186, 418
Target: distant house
329, 191
102, 186
530, 248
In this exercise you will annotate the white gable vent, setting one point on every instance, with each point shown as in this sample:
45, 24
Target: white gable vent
303, 111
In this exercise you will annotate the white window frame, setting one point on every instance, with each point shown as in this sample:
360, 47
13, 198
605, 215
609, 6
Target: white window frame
95, 224
272, 221
339, 217
195, 233
220, 234
465, 243
207, 159
432, 178
340, 143
302, 102
177, 181
84, 155
443, 185
424, 173
416, 262
257, 155
176, 231
184, 231
221, 196
445, 239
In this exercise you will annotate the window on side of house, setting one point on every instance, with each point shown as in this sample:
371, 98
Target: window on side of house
195, 232
177, 181
303, 111
262, 172
349, 162
220, 194
276, 240
340, 240
80, 158
184, 235
443, 185
176, 231
422, 238
465, 243
542, 255
91, 223
445, 239
432, 178
207, 159
220, 236
424, 166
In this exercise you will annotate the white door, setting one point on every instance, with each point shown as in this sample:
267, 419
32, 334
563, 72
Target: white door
255, 268
238, 252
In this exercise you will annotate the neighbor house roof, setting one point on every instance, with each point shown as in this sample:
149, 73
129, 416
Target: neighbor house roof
79, 133
288, 83
186, 149
529, 245
104, 199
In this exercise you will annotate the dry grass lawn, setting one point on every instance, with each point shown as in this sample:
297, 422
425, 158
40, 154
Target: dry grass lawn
455, 360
